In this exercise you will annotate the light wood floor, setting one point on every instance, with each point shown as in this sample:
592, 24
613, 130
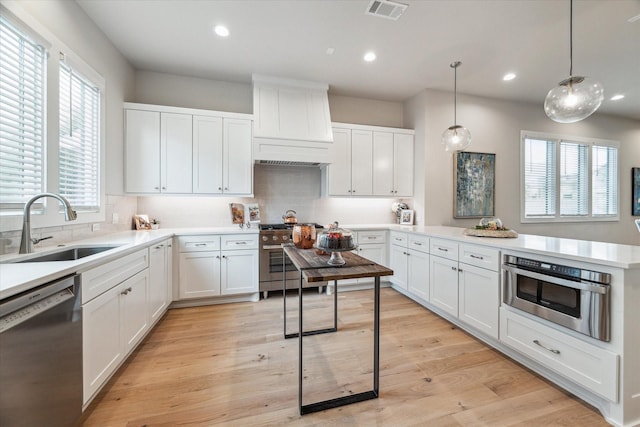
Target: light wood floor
229, 365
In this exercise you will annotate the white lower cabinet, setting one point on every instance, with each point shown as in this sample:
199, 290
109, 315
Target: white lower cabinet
444, 284
215, 265
409, 260
160, 272
586, 364
112, 325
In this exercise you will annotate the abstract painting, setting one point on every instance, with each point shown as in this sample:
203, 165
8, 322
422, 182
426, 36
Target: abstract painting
474, 178
635, 190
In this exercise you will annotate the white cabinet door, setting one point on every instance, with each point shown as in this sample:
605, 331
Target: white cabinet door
383, 171
207, 155
418, 273
237, 165
339, 171
135, 319
376, 252
159, 263
142, 151
398, 263
403, 165
361, 163
199, 274
101, 340
479, 298
239, 272
176, 135
443, 290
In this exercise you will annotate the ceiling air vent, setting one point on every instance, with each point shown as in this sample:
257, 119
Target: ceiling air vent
386, 9
286, 163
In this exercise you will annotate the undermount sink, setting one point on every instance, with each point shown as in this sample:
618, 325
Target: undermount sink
69, 254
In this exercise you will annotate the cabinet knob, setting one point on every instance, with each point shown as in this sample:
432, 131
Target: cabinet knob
226, 189
224, 256
217, 256
454, 268
156, 188
219, 188
126, 291
164, 188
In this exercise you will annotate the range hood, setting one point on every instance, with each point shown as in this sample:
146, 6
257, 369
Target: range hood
292, 124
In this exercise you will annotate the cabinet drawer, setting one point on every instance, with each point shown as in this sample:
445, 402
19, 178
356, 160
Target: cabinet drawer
588, 365
480, 256
372, 236
419, 243
444, 248
239, 241
106, 276
399, 239
199, 243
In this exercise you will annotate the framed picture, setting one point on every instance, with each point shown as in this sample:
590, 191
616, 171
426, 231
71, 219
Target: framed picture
406, 217
635, 191
237, 213
474, 182
252, 212
141, 222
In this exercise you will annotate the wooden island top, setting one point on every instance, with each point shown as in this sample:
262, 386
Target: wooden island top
313, 265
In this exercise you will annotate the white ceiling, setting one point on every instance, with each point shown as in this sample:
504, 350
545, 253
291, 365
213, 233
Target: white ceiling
289, 38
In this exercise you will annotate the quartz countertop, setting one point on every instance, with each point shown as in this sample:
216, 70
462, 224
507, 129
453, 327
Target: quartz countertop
16, 278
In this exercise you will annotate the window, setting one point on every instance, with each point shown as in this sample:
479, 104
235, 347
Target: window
22, 85
79, 148
568, 178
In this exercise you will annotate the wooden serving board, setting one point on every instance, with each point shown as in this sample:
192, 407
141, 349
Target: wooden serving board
489, 233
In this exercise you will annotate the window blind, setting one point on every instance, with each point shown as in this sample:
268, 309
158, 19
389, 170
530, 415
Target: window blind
79, 148
574, 179
22, 72
604, 186
539, 178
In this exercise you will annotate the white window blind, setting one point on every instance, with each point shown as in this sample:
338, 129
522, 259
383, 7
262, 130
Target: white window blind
568, 179
79, 140
604, 187
540, 178
574, 179
22, 80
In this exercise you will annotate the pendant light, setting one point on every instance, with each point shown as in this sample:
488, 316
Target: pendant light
456, 137
576, 97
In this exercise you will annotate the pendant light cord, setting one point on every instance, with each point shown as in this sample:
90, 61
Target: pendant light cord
571, 38
455, 94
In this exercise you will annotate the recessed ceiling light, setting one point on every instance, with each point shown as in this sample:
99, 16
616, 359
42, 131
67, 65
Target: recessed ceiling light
617, 97
221, 30
369, 56
508, 76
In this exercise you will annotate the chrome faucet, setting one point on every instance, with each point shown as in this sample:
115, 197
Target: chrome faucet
26, 242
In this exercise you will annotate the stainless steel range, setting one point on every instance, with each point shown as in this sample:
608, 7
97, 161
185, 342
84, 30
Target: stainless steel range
272, 236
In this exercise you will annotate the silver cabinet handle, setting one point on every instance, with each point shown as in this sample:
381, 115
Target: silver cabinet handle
417, 243
240, 243
476, 257
200, 244
159, 247
371, 237
552, 350
443, 249
126, 291
454, 268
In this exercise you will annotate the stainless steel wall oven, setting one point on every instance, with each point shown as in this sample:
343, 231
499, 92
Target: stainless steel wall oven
576, 298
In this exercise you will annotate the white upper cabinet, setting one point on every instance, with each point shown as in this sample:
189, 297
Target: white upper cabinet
184, 151
370, 161
176, 153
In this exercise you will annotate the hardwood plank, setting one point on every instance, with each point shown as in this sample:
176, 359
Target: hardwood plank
229, 365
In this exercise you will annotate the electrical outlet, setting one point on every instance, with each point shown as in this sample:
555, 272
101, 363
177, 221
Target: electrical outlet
114, 218
95, 227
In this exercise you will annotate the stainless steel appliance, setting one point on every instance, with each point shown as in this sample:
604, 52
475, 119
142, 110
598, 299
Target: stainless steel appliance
41, 356
576, 298
272, 236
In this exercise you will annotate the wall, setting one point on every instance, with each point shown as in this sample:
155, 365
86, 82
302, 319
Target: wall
66, 21
495, 127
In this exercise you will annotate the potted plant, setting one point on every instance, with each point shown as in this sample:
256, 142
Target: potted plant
155, 224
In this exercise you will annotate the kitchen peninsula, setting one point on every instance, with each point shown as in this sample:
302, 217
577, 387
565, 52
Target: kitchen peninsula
613, 389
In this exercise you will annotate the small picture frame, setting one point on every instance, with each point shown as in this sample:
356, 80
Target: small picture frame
141, 222
237, 213
252, 212
406, 217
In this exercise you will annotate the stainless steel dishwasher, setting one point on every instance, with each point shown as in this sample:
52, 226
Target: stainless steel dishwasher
41, 356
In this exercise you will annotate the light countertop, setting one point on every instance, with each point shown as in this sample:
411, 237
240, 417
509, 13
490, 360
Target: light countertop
16, 278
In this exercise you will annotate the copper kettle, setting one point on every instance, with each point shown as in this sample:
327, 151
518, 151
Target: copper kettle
289, 217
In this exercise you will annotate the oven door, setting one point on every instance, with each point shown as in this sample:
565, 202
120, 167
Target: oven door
579, 305
271, 258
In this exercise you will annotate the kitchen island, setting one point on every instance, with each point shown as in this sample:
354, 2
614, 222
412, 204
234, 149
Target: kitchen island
314, 268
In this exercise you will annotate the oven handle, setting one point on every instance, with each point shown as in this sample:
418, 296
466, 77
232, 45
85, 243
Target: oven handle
272, 247
582, 285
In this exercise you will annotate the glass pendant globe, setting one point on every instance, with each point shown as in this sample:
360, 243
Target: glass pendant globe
574, 99
456, 138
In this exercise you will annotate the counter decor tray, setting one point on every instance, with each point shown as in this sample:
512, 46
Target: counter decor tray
479, 232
